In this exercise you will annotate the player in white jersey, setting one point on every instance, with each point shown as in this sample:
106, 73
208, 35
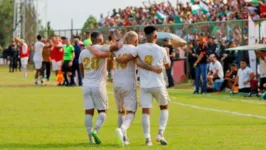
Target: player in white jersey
124, 82
152, 85
94, 73
37, 59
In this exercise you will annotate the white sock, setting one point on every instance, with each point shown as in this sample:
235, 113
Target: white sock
120, 119
163, 120
126, 123
41, 78
100, 120
146, 125
25, 72
88, 124
36, 80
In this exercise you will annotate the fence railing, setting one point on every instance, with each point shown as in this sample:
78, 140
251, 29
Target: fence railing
234, 30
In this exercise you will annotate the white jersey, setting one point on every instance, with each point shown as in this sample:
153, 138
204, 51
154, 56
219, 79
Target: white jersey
154, 55
217, 66
38, 47
243, 76
95, 71
125, 73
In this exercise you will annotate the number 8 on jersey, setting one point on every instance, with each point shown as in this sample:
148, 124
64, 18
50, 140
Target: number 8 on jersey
148, 59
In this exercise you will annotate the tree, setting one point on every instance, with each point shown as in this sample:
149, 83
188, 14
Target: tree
6, 19
47, 31
89, 24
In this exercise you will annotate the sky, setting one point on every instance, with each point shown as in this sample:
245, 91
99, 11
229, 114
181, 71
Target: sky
60, 12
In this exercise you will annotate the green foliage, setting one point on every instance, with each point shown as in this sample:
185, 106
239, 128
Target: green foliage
89, 24
6, 20
47, 31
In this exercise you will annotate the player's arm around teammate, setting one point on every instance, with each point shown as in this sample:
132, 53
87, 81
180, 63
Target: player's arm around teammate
153, 85
130, 38
93, 71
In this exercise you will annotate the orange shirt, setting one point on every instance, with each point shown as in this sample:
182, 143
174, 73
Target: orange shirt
46, 54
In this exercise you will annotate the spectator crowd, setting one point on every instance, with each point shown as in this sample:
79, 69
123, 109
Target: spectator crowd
191, 12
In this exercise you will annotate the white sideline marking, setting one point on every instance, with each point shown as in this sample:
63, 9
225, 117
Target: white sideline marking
215, 110
220, 111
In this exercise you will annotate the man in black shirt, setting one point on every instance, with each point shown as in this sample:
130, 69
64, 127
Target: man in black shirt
167, 44
192, 58
12, 53
212, 46
75, 66
230, 77
201, 67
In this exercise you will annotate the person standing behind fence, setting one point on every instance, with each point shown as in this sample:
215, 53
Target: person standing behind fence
75, 66
212, 46
46, 64
201, 67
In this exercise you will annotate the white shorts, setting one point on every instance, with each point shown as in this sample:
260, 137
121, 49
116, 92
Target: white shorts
147, 95
56, 65
95, 98
38, 64
24, 62
125, 98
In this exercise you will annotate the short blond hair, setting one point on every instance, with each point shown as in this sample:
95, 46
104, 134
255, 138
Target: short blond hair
131, 35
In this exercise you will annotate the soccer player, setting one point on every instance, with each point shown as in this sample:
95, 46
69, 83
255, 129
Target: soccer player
94, 73
152, 85
46, 64
37, 59
24, 55
125, 83
69, 56
57, 54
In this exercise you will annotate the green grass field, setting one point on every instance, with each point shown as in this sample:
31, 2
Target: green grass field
52, 117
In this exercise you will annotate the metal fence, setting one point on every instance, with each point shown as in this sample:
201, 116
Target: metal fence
235, 30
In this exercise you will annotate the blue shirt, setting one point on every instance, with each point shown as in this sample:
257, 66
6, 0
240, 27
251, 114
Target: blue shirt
77, 52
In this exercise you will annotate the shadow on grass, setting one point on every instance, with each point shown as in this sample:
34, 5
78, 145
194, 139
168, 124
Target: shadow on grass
55, 145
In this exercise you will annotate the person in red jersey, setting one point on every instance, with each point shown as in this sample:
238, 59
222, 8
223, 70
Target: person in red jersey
24, 54
56, 54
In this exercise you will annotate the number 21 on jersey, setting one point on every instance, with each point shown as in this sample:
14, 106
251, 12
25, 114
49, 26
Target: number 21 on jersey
91, 63
148, 59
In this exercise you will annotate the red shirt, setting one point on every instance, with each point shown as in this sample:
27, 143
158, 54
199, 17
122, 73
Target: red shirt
263, 11
24, 49
57, 53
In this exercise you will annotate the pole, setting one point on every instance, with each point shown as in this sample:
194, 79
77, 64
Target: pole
46, 23
24, 20
71, 28
14, 18
37, 17
186, 61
